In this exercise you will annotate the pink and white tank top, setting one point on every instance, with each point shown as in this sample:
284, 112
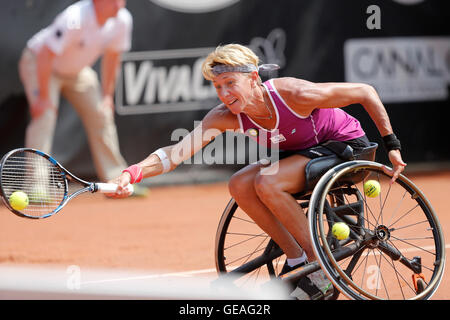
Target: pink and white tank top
294, 132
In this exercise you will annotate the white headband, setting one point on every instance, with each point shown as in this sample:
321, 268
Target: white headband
246, 68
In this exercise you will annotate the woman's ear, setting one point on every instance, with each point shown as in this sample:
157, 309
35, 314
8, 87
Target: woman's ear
254, 75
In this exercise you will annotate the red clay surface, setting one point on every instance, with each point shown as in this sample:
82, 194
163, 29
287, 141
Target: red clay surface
172, 230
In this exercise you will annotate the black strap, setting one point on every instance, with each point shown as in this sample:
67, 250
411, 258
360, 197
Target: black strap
341, 149
391, 142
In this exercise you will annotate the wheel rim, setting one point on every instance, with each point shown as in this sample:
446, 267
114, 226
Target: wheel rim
238, 241
381, 233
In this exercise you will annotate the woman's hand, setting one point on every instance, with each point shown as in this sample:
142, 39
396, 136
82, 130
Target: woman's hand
40, 106
397, 165
122, 181
108, 102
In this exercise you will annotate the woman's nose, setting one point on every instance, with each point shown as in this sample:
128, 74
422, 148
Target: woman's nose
224, 92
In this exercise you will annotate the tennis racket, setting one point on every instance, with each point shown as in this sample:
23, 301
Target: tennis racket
43, 184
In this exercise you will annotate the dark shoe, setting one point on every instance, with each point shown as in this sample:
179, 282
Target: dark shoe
314, 286
306, 290
321, 281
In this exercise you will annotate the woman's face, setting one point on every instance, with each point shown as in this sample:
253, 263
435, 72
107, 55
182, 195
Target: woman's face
234, 89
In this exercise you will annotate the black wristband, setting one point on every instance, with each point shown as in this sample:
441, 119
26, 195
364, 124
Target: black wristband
391, 142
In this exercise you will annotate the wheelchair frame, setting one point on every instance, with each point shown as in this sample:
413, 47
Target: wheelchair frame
328, 260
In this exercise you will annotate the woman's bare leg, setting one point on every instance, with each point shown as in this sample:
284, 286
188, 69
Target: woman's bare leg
274, 187
242, 189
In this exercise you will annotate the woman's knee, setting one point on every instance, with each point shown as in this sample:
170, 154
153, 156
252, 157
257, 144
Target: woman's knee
266, 185
241, 184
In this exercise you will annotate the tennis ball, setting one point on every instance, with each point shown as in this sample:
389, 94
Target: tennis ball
340, 230
18, 200
372, 188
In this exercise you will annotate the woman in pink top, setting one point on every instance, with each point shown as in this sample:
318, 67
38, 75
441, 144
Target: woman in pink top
293, 114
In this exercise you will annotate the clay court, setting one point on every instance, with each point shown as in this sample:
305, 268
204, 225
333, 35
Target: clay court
170, 231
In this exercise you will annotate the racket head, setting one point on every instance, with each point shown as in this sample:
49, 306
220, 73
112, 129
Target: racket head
39, 177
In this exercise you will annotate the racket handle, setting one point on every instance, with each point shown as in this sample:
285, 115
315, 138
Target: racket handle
111, 187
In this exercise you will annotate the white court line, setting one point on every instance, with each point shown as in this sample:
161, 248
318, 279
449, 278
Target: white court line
43, 283
187, 274
154, 276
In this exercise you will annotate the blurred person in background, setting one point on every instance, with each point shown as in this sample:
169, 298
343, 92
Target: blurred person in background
58, 60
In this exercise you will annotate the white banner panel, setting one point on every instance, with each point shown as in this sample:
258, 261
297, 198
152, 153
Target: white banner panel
407, 69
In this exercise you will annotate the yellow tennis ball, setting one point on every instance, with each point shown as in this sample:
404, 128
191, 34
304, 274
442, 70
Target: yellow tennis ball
372, 188
340, 230
18, 200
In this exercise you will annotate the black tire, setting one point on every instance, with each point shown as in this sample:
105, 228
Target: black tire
393, 235
246, 252
238, 241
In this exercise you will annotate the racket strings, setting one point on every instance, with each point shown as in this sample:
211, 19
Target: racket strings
38, 178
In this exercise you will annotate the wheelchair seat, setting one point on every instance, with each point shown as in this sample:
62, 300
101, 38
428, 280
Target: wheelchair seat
317, 167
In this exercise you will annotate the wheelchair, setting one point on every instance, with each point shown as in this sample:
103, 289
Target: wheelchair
395, 249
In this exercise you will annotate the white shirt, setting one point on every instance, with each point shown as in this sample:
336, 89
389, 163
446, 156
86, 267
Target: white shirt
77, 39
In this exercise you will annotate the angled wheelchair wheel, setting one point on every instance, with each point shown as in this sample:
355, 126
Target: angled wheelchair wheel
244, 250
395, 249
246, 253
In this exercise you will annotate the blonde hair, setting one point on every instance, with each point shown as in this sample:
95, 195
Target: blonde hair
230, 54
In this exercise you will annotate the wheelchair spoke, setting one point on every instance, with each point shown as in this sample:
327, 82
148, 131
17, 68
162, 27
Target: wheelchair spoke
375, 262
382, 278
365, 202
404, 215
256, 249
252, 236
380, 215
403, 257
421, 265
379, 275
246, 256
416, 238
415, 246
366, 260
399, 203
352, 266
245, 220
354, 226
368, 209
411, 225
397, 274
398, 214
386, 197
254, 275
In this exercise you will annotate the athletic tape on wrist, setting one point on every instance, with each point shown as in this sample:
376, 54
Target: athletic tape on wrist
135, 172
162, 155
